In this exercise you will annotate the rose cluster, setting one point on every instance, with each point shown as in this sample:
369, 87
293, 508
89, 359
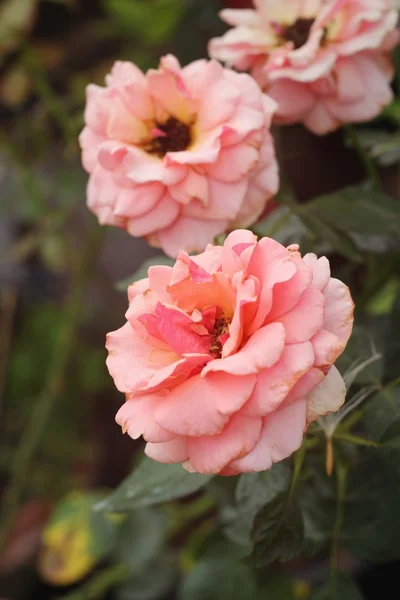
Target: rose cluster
227, 357
325, 62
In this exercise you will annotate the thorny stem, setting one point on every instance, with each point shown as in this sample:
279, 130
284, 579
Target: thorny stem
369, 165
44, 404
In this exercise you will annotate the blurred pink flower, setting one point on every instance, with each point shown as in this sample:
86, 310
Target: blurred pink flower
226, 357
310, 42
178, 155
356, 90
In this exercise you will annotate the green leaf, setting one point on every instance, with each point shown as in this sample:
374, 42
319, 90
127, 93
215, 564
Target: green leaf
341, 588
318, 504
382, 417
152, 483
199, 23
392, 111
153, 583
256, 489
278, 532
370, 218
361, 347
339, 241
392, 342
75, 539
218, 578
278, 587
142, 536
359, 209
141, 273
282, 225
382, 146
382, 303
153, 21
253, 491
369, 530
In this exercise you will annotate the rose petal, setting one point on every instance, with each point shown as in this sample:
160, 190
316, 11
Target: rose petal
320, 268
262, 350
326, 397
190, 234
275, 383
327, 348
210, 454
281, 435
193, 408
339, 310
136, 417
174, 451
306, 318
164, 213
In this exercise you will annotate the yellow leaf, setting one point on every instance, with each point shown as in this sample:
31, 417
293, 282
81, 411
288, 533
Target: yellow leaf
70, 548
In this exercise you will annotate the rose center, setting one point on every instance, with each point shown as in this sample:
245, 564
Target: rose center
221, 329
298, 32
174, 136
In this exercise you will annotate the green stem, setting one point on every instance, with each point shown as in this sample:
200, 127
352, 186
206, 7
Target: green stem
298, 463
341, 480
355, 439
25, 174
46, 93
352, 419
391, 385
182, 516
25, 247
24, 453
99, 585
369, 165
8, 305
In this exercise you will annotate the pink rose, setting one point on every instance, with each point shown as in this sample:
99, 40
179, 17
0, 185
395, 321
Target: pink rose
310, 42
226, 357
178, 155
356, 90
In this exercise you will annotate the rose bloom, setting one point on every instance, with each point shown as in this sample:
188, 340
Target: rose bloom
226, 358
356, 90
178, 155
335, 50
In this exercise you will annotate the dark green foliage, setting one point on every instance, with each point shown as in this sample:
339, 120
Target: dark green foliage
153, 483
342, 587
278, 532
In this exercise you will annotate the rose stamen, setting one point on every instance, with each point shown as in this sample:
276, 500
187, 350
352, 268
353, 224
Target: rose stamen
171, 136
221, 327
298, 32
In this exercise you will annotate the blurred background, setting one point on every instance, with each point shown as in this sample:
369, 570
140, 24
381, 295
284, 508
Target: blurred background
59, 292
58, 269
